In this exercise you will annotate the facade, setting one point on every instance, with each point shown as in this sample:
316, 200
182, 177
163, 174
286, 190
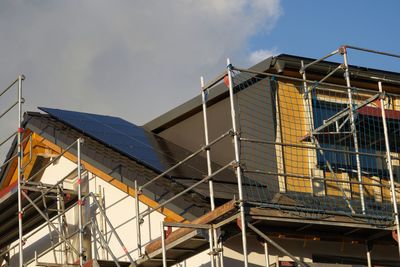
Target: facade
293, 162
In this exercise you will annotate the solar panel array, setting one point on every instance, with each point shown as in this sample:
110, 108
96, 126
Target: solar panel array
131, 140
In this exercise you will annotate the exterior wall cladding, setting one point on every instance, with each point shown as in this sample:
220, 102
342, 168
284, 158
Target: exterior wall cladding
316, 179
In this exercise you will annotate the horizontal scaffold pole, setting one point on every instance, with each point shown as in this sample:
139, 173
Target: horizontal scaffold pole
204, 148
205, 179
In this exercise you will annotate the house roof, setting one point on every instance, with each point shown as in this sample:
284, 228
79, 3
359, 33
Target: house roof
133, 141
128, 152
282, 64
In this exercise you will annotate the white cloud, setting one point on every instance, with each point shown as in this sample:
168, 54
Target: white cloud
134, 59
258, 55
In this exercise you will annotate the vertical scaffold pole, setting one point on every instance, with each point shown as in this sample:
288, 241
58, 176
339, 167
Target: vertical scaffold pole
369, 259
238, 167
60, 223
266, 254
19, 178
138, 232
390, 167
343, 51
164, 250
209, 169
309, 116
80, 223
211, 243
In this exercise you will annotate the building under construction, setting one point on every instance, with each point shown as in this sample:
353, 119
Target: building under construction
292, 162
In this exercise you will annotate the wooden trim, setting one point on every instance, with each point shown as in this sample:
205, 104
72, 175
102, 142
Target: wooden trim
11, 176
37, 150
205, 219
108, 178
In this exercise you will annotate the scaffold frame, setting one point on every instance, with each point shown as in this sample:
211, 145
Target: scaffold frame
322, 172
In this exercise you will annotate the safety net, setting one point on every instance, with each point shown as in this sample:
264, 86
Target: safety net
317, 150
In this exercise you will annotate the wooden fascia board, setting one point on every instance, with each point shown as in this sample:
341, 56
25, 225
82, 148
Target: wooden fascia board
218, 212
28, 162
108, 178
11, 175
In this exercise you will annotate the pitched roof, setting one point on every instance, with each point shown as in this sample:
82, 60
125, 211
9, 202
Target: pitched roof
128, 152
130, 140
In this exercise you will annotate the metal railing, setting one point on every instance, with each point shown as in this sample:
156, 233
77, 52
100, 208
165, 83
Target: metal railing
329, 148
329, 142
216, 259
82, 200
17, 86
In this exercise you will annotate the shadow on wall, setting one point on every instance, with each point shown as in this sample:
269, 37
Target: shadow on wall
39, 246
233, 251
233, 263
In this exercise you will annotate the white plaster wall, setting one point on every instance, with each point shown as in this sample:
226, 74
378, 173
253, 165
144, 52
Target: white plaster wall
41, 240
120, 209
58, 170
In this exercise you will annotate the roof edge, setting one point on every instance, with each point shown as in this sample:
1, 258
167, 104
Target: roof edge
274, 64
194, 105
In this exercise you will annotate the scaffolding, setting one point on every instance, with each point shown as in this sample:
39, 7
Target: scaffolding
333, 146
41, 206
49, 203
17, 102
304, 147
209, 220
310, 148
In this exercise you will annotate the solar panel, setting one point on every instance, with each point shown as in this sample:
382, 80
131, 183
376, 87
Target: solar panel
131, 140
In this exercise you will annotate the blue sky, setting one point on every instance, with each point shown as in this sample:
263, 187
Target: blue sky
315, 28
139, 59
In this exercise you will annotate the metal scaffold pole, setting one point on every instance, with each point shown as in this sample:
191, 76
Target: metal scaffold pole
277, 246
209, 169
138, 222
389, 165
369, 258
20, 156
164, 250
213, 235
343, 51
238, 167
308, 107
266, 251
80, 223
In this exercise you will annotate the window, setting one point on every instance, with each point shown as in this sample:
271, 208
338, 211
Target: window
339, 138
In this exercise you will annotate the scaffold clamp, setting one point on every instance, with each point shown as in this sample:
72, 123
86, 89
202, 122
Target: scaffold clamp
141, 220
206, 148
236, 164
343, 50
